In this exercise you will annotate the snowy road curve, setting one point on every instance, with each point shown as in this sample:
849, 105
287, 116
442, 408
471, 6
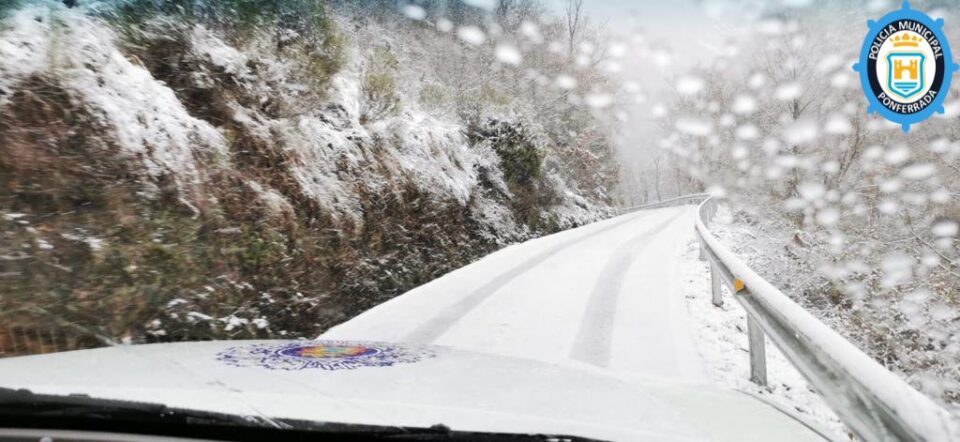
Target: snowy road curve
603, 294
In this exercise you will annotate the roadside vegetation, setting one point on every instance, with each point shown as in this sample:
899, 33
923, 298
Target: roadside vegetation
257, 169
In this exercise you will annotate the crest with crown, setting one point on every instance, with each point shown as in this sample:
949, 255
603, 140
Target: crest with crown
906, 40
906, 76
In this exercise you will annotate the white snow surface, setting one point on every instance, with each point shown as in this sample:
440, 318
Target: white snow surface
24, 48
603, 295
627, 296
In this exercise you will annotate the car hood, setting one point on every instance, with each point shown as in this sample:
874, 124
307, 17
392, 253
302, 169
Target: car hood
402, 385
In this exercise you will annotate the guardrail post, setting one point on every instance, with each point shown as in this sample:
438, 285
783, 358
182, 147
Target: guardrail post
715, 286
703, 250
758, 353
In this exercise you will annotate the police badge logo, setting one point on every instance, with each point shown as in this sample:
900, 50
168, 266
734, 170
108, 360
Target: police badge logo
905, 66
322, 355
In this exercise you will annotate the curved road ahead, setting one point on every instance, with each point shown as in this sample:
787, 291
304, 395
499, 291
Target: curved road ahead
605, 294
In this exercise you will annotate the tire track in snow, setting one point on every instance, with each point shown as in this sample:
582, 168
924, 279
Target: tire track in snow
594, 338
430, 331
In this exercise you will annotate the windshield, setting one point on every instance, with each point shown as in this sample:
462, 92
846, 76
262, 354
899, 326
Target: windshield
491, 215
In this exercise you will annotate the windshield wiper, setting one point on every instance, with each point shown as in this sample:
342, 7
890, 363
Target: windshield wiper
16, 405
25, 409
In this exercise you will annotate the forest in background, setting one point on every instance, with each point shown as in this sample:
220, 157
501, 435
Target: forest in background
845, 212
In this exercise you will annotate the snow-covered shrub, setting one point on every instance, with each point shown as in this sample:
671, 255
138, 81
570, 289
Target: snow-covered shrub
299, 30
520, 154
432, 97
379, 86
292, 19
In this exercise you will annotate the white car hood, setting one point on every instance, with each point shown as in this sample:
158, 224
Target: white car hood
401, 385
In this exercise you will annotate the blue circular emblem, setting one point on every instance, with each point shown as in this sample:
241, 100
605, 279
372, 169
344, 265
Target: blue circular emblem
905, 66
322, 355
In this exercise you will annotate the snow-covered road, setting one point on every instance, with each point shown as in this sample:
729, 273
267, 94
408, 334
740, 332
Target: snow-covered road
603, 294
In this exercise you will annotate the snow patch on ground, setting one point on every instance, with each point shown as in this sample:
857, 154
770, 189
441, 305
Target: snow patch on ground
573, 208
433, 153
24, 47
723, 345
322, 153
149, 122
220, 54
274, 201
499, 220
345, 88
335, 159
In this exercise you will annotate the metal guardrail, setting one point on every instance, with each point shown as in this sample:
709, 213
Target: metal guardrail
873, 402
677, 201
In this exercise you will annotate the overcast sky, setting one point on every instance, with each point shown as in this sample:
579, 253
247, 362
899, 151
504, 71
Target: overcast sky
684, 28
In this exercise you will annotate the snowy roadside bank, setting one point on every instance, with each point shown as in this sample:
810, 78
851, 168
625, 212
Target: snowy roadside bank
227, 175
720, 334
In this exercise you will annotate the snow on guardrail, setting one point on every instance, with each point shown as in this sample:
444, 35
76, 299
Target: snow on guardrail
872, 401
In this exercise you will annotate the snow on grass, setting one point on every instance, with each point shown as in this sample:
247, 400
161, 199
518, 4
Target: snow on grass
220, 54
572, 209
434, 153
431, 154
501, 227
24, 47
275, 202
149, 122
95, 244
425, 141
723, 346
320, 154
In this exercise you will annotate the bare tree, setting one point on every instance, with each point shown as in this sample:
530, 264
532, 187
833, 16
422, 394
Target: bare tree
657, 161
510, 14
575, 22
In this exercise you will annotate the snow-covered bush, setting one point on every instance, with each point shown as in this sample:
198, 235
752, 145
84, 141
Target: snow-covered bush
520, 155
301, 31
378, 86
432, 97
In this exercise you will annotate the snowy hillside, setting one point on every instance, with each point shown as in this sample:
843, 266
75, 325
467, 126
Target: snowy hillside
211, 173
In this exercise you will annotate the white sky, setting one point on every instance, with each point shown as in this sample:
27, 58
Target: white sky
683, 27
